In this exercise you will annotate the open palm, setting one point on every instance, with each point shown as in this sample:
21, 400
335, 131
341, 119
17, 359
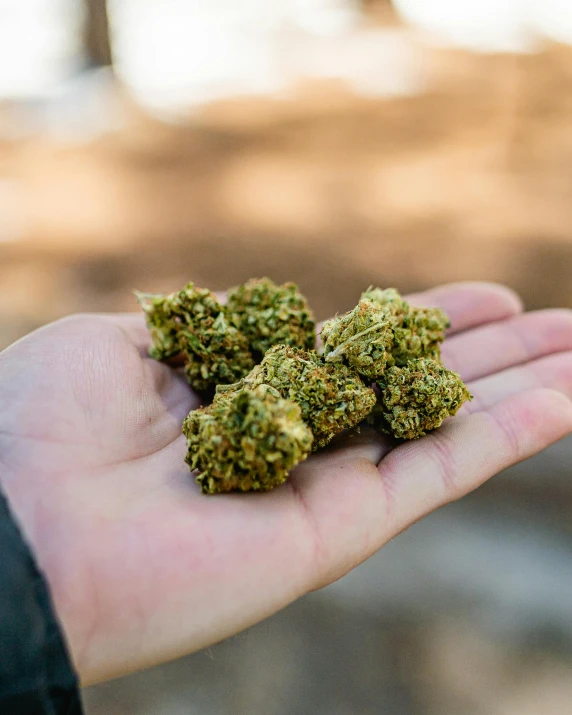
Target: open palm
143, 567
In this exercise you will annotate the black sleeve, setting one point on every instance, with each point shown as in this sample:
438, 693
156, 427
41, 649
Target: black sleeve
36, 676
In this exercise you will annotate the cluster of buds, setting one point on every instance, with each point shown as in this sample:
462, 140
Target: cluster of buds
289, 405
276, 399
219, 343
397, 346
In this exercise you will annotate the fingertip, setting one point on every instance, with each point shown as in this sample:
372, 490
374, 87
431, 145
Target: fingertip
509, 299
471, 303
494, 295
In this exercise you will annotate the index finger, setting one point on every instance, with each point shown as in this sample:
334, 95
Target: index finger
470, 303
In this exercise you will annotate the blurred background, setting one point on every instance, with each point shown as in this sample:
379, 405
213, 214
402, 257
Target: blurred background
338, 144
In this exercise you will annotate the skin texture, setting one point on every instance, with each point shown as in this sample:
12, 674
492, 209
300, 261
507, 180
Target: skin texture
144, 568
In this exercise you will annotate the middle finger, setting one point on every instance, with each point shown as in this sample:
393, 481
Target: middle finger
489, 349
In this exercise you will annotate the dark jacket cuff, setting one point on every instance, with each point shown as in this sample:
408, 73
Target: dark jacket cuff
36, 675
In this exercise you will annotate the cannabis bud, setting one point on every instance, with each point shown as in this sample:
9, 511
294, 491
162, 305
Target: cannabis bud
168, 315
248, 440
330, 395
383, 330
269, 314
416, 398
221, 344
417, 332
362, 339
194, 323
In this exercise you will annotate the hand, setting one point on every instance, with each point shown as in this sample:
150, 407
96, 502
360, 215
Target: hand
143, 568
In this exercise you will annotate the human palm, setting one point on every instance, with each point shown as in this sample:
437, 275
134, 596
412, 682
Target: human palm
143, 567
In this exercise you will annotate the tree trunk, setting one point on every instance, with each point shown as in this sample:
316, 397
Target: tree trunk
96, 39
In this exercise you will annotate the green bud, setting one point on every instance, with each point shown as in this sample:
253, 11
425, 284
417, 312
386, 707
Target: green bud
330, 395
247, 441
420, 335
416, 398
387, 298
193, 322
361, 339
168, 314
216, 353
269, 314
417, 332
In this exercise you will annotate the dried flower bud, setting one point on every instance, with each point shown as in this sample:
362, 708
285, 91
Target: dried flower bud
216, 353
361, 339
167, 315
248, 441
331, 396
422, 331
269, 314
387, 298
416, 398
194, 323
417, 331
